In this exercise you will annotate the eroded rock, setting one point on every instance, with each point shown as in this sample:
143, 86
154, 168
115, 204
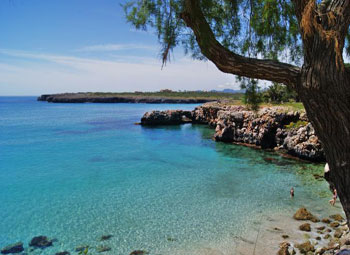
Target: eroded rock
305, 227
304, 214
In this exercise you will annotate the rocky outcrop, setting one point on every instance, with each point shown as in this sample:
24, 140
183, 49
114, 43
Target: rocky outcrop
170, 117
270, 128
237, 125
92, 98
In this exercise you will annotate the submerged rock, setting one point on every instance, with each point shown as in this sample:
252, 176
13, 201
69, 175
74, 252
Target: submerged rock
138, 252
106, 237
40, 242
12, 248
63, 253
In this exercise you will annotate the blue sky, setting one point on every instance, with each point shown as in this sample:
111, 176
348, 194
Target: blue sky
51, 46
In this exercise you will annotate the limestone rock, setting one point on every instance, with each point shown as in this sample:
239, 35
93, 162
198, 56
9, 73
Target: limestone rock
305, 227
336, 217
304, 214
338, 233
320, 250
170, 117
334, 224
284, 249
326, 220
305, 247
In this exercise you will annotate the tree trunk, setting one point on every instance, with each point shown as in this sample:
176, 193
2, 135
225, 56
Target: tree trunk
325, 93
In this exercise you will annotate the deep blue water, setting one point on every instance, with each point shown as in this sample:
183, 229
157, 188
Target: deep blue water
78, 171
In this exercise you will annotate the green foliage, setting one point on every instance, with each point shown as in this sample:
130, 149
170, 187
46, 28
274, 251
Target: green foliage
297, 124
264, 28
252, 97
166, 93
279, 93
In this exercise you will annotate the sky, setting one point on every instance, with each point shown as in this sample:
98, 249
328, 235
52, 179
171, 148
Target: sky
57, 46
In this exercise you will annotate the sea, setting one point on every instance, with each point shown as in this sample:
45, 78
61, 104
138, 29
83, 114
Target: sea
76, 172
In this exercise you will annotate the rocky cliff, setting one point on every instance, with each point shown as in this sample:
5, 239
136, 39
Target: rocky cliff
270, 128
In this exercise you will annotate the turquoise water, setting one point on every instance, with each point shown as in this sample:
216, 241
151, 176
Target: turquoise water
76, 172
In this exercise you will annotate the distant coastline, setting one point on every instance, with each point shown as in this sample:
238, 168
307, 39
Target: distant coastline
161, 97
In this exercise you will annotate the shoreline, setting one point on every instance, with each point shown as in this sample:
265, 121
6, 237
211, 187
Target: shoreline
152, 98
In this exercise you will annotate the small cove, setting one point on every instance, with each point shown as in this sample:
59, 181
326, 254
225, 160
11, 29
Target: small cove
76, 172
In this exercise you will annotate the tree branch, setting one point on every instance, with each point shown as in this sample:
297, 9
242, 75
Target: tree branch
229, 62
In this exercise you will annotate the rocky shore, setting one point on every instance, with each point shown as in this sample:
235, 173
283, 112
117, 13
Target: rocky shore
317, 236
271, 128
86, 98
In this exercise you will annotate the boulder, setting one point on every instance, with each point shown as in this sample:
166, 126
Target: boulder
13, 248
284, 249
320, 250
305, 227
304, 214
326, 220
334, 224
40, 242
170, 117
305, 247
327, 236
338, 233
336, 217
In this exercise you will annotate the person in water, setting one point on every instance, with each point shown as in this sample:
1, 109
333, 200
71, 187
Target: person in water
292, 192
335, 195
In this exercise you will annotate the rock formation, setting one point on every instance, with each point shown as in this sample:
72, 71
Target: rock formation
270, 128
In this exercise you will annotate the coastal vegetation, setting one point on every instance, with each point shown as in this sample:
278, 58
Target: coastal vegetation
163, 96
299, 43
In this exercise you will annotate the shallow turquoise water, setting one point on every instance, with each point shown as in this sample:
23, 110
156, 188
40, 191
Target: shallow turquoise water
78, 171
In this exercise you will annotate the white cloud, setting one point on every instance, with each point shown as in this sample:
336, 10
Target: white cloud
116, 47
230, 85
33, 74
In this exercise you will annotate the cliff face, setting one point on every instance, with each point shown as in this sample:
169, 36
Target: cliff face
270, 128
